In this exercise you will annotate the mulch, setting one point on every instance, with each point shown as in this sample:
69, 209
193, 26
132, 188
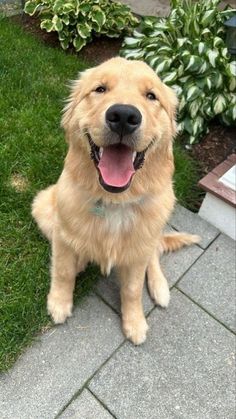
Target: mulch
212, 150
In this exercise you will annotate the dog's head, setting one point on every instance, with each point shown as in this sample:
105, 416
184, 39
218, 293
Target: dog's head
120, 113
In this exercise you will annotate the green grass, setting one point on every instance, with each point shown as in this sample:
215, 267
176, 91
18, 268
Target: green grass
33, 81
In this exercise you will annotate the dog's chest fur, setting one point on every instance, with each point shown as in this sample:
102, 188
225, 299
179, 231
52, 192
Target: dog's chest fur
114, 217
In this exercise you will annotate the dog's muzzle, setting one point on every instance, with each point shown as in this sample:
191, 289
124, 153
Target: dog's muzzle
123, 119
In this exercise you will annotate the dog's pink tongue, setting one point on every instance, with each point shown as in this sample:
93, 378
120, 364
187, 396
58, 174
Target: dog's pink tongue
116, 165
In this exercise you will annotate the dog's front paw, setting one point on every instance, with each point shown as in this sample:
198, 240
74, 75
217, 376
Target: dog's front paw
135, 330
160, 293
59, 309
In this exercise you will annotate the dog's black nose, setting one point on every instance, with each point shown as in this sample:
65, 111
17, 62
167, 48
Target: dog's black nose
123, 119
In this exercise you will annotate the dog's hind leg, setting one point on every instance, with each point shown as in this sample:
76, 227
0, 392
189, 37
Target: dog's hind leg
43, 210
157, 283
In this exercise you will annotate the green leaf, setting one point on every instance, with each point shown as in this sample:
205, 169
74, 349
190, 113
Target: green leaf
57, 23
31, 7
198, 125
181, 41
201, 47
218, 42
232, 68
193, 93
84, 8
208, 18
163, 66
193, 63
79, 43
170, 77
194, 107
182, 103
219, 104
98, 16
58, 6
131, 42
47, 24
65, 43
232, 84
83, 30
178, 89
212, 55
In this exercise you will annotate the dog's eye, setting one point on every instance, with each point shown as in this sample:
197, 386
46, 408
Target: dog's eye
100, 89
151, 96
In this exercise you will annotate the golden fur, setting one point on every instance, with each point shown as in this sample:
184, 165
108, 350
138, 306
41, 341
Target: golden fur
128, 233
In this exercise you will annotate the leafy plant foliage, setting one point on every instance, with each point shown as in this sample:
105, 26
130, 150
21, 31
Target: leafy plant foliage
188, 51
77, 21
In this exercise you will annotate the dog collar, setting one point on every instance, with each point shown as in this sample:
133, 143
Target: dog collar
100, 209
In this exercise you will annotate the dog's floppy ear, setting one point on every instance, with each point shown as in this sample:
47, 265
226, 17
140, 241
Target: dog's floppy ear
170, 102
71, 103
76, 95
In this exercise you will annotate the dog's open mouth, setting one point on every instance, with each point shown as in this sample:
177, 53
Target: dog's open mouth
116, 165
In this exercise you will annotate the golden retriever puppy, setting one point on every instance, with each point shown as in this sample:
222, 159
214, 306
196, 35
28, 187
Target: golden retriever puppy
115, 193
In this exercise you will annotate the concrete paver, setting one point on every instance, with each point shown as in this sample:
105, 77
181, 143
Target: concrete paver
109, 290
85, 407
48, 375
185, 220
185, 369
211, 281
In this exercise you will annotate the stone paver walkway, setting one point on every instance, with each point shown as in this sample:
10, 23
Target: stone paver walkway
85, 369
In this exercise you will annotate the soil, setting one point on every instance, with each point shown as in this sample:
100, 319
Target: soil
212, 150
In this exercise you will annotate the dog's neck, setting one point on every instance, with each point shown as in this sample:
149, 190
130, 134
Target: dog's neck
102, 209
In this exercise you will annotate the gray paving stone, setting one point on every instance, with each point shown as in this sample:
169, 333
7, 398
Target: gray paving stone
175, 264
211, 281
185, 220
185, 369
109, 290
48, 375
85, 407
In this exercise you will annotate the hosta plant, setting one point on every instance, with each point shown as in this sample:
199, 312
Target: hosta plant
188, 51
77, 21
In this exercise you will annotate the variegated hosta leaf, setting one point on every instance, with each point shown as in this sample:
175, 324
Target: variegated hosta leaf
232, 84
182, 103
164, 65
79, 43
47, 24
194, 107
198, 124
135, 54
193, 93
219, 104
232, 68
178, 89
170, 77
234, 112
181, 41
212, 56
57, 23
31, 7
193, 63
84, 30
132, 42
218, 42
208, 18
201, 47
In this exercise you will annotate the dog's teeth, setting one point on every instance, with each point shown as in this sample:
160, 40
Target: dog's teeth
134, 156
100, 152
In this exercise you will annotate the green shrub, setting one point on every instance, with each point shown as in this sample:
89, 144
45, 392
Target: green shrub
78, 21
187, 50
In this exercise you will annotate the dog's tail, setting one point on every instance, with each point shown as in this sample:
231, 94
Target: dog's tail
174, 241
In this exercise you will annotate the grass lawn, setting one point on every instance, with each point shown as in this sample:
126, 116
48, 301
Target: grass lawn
33, 80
